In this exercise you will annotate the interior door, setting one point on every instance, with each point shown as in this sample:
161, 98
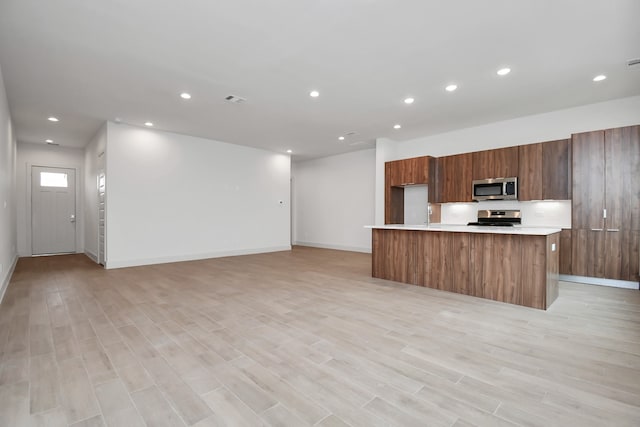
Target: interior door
53, 210
101, 217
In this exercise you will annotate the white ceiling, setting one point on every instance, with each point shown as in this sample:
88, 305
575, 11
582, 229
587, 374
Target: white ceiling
90, 61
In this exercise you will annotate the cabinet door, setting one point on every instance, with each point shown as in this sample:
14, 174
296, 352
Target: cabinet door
565, 252
498, 163
483, 164
454, 178
530, 172
420, 170
587, 253
588, 181
556, 170
622, 193
621, 255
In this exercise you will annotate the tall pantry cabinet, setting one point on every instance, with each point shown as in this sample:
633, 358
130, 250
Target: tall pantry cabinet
605, 236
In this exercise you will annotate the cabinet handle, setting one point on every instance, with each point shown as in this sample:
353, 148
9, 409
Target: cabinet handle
596, 229
611, 230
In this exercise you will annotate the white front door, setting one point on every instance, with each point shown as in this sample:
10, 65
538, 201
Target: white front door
53, 210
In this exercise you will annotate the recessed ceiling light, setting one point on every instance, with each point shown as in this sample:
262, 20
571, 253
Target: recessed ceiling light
599, 78
314, 94
503, 71
53, 119
409, 100
397, 126
289, 151
451, 88
341, 138
185, 95
48, 141
149, 124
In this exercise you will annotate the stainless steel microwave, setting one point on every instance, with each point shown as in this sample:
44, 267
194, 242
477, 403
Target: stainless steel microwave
495, 189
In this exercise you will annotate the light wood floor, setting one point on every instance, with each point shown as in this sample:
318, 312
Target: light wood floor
304, 338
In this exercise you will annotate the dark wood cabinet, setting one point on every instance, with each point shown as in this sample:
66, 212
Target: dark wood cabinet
530, 172
622, 178
401, 173
498, 163
587, 205
587, 252
544, 171
606, 203
454, 178
518, 269
556, 170
393, 255
409, 171
565, 252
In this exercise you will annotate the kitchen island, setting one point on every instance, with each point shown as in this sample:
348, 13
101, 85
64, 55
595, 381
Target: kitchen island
517, 265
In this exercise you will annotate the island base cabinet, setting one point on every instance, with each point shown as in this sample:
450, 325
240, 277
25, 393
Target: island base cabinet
496, 263
517, 269
394, 255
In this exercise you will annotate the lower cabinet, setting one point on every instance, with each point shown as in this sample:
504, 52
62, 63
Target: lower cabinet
565, 251
606, 254
517, 269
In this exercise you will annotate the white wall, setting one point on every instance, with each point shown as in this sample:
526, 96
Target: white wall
94, 163
8, 238
524, 130
334, 199
416, 205
46, 155
173, 197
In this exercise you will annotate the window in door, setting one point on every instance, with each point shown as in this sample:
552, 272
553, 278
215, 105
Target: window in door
53, 179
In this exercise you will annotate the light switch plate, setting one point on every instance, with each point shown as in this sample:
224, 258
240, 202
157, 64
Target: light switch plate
553, 247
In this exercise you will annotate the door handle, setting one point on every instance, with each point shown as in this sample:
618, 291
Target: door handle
72, 218
612, 230
596, 229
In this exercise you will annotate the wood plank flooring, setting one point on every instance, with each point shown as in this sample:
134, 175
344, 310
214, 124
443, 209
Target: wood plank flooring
304, 338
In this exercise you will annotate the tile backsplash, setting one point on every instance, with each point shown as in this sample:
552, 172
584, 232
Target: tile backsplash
548, 213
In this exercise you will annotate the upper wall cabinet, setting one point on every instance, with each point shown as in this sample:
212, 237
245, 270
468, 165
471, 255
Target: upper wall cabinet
401, 173
454, 178
409, 171
544, 171
499, 163
530, 172
556, 170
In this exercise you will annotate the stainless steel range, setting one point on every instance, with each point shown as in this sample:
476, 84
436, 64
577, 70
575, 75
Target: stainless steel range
498, 218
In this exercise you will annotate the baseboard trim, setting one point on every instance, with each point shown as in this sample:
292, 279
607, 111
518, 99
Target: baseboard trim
336, 247
7, 278
193, 257
600, 282
93, 257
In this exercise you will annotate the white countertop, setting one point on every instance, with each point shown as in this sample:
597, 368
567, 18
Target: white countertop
531, 231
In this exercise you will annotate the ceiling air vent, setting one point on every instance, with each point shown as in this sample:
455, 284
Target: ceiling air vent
634, 63
235, 99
